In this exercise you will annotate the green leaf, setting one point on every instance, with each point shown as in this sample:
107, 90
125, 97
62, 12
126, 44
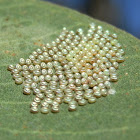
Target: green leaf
25, 22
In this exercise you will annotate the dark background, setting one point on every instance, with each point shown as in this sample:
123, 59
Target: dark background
124, 14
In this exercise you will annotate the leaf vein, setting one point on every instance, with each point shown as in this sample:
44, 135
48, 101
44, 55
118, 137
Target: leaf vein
67, 132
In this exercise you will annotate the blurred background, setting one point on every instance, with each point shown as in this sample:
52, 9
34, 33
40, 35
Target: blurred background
124, 14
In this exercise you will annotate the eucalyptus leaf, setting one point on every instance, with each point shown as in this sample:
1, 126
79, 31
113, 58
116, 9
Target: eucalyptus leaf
27, 24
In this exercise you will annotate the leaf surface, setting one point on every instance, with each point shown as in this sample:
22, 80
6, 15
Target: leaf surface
26, 24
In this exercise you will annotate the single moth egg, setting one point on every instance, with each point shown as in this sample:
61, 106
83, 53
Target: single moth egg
44, 110
34, 109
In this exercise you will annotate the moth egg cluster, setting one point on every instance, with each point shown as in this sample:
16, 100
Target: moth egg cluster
75, 69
